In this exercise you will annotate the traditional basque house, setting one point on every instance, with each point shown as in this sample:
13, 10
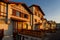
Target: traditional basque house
14, 16
37, 17
53, 25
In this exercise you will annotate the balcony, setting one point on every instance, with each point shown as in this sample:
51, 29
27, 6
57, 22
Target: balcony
19, 18
33, 33
17, 15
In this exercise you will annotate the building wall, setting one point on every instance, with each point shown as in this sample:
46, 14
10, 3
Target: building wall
8, 28
31, 18
43, 24
52, 24
2, 13
37, 15
22, 10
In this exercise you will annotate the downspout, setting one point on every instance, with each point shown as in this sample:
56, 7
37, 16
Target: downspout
6, 13
32, 21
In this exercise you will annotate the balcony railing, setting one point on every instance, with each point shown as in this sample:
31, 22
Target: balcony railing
33, 33
19, 18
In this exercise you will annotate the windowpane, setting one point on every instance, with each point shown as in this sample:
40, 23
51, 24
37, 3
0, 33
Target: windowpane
26, 26
25, 16
20, 14
17, 13
2, 19
14, 12
38, 15
19, 25
2, 8
35, 20
15, 26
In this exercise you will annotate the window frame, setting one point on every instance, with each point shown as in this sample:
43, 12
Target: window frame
3, 13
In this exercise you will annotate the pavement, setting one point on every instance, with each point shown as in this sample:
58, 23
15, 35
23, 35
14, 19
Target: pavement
53, 36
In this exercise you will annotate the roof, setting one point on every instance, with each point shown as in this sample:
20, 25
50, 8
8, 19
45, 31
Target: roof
44, 19
26, 7
38, 7
10, 2
23, 4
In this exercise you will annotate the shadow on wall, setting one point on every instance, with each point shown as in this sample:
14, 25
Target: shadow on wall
8, 34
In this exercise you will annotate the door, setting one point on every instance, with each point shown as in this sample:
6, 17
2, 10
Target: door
17, 27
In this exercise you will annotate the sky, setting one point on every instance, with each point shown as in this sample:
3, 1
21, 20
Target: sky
51, 8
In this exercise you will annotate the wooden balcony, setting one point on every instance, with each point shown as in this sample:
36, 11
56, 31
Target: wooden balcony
33, 33
19, 18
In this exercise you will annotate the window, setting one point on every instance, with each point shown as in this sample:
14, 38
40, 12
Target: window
25, 16
26, 26
38, 15
2, 13
14, 23
2, 9
35, 20
19, 25
14, 12
17, 13
20, 14
2, 20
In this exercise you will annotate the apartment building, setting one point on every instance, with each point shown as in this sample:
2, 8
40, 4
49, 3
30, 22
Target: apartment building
37, 17
14, 16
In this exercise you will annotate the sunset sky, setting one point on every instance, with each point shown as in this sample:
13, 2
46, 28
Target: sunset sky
51, 8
